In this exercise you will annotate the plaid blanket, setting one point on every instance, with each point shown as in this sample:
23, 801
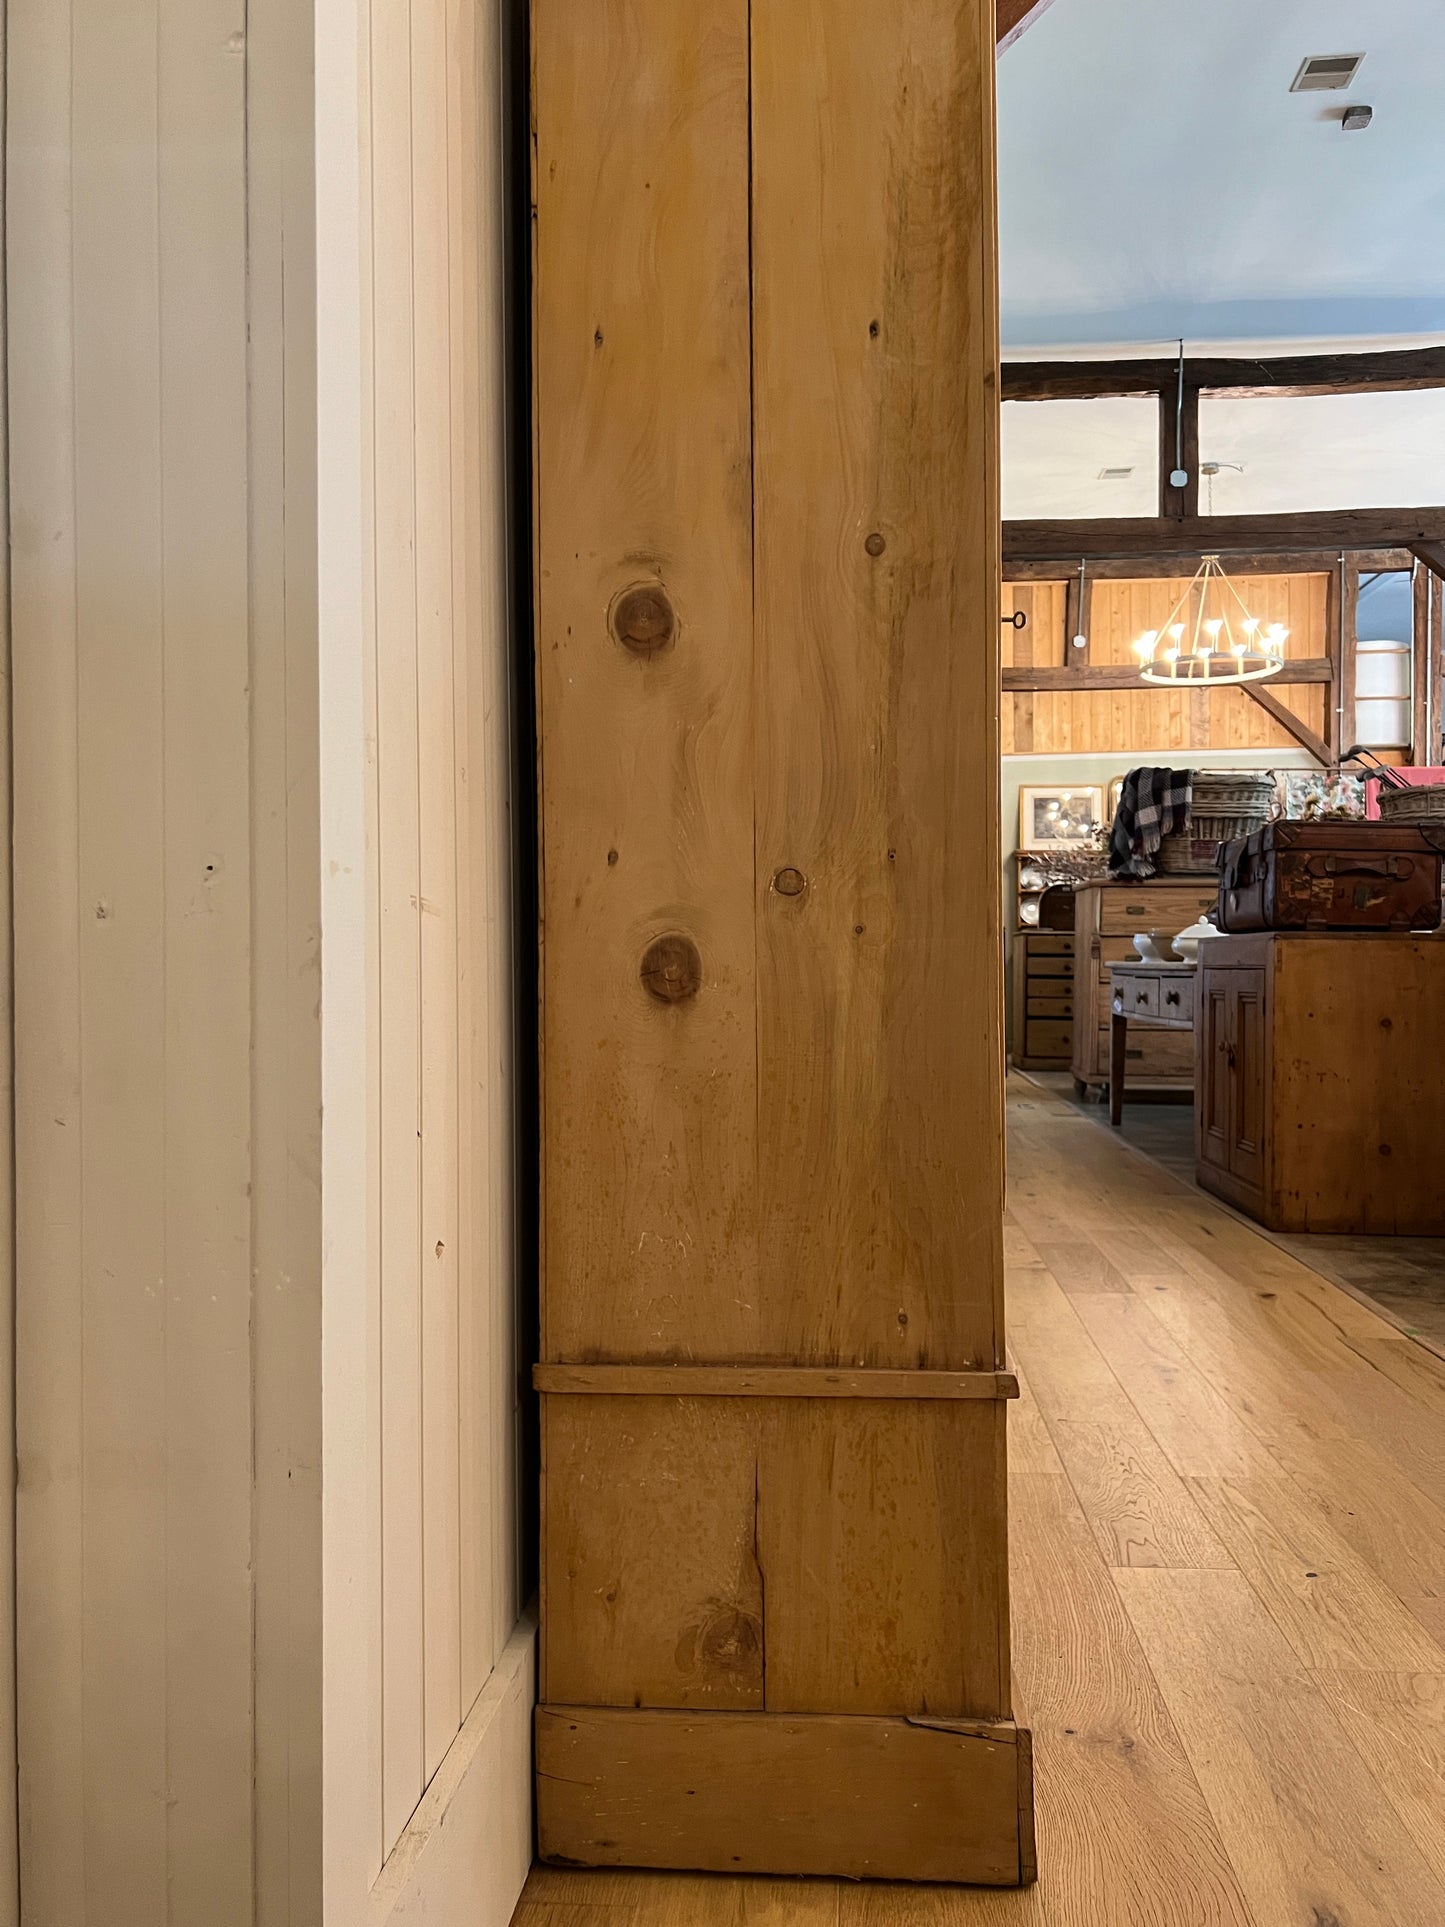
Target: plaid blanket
1153, 803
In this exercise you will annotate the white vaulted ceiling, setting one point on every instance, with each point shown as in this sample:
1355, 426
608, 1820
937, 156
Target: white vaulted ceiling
1158, 178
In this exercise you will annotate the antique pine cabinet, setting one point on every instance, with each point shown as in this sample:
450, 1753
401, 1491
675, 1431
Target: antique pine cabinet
772, 1375
1319, 1104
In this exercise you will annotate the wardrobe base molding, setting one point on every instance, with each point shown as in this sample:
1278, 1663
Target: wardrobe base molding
781, 1793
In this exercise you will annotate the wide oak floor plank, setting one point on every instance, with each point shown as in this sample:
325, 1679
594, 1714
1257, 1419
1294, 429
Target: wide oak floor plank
1397, 1722
1308, 1828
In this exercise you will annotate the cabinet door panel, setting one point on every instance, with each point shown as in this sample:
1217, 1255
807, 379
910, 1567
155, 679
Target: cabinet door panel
1246, 1024
1213, 1073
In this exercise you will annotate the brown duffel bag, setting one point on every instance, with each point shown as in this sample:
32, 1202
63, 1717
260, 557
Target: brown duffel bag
1331, 876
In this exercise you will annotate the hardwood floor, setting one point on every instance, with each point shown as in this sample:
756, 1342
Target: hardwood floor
1227, 1492
1405, 1277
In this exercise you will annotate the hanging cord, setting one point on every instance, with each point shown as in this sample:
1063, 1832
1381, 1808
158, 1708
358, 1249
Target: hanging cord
1080, 637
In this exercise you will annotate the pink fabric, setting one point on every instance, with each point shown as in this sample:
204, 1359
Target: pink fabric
1413, 773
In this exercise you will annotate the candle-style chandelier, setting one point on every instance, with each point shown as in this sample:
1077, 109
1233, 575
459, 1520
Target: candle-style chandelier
1209, 637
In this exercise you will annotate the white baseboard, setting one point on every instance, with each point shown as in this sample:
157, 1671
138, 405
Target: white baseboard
466, 1853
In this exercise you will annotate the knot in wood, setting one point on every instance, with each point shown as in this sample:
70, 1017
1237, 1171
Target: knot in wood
643, 620
790, 883
671, 969
875, 544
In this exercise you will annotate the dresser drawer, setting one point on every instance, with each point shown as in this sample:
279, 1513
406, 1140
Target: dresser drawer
1155, 906
1050, 967
1048, 1038
1059, 1005
1138, 995
1164, 1054
1176, 998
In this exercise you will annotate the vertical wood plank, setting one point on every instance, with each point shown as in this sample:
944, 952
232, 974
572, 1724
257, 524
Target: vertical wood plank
45, 669
644, 676
121, 918
286, 885
393, 485
877, 653
472, 639
490, 757
9, 1751
437, 623
354, 1842
205, 974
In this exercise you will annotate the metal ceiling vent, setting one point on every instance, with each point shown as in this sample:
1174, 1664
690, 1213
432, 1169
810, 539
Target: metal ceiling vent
1326, 73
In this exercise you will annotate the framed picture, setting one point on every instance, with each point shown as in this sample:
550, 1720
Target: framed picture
1052, 818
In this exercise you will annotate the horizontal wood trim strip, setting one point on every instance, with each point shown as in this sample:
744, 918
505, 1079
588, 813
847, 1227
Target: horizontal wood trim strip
1338, 374
780, 1793
1158, 535
765, 1381
1123, 675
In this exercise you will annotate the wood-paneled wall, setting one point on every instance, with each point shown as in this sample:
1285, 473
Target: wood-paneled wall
1129, 722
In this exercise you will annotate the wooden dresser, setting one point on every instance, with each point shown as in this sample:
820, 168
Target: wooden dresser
1043, 1013
1320, 1102
1106, 916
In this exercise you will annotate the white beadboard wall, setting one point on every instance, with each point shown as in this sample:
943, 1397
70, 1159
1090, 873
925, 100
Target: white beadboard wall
266, 1373
419, 1353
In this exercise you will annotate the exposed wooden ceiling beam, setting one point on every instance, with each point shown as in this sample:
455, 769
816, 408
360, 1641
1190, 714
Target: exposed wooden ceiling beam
1383, 371
1015, 17
1162, 567
1033, 678
1432, 554
1158, 535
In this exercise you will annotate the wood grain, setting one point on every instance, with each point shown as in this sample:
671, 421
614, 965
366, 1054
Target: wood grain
1383, 370
875, 454
797, 1555
1397, 1723
1105, 709
644, 478
864, 1798
1263, 1741
772, 1357
767, 1381
1147, 535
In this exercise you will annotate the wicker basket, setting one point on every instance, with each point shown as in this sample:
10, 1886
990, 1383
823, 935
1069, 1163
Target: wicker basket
1234, 792
1421, 803
1187, 856
1223, 829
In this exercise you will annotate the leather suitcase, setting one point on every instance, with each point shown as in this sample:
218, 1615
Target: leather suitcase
1331, 876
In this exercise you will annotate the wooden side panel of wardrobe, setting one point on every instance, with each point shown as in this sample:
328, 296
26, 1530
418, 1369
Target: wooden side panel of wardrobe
768, 715
879, 1099
645, 647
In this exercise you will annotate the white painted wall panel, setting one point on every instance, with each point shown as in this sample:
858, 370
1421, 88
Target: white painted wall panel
420, 1534
270, 1662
